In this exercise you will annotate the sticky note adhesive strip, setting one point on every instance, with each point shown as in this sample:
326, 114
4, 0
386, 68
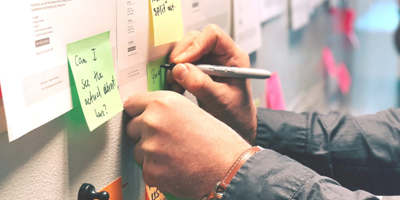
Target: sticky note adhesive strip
166, 17
92, 65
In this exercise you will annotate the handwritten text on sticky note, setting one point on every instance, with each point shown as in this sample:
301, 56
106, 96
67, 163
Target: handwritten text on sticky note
153, 193
156, 76
92, 66
167, 21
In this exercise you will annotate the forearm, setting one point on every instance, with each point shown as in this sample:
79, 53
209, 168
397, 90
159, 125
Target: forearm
360, 153
269, 175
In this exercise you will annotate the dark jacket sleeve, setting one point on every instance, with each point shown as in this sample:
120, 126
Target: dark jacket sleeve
269, 175
358, 152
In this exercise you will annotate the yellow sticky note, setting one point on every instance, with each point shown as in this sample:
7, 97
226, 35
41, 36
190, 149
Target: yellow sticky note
166, 16
92, 66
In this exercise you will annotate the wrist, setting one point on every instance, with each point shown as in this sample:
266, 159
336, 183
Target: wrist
221, 186
251, 136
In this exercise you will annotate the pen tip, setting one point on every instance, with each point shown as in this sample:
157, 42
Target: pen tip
168, 66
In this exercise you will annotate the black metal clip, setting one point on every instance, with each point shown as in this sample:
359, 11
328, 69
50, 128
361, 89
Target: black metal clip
88, 192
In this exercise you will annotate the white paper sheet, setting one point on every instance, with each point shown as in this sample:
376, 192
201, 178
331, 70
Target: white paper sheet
198, 14
299, 14
135, 46
36, 87
272, 8
312, 4
246, 25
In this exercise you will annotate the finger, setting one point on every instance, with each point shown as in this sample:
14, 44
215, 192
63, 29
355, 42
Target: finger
148, 176
138, 154
177, 88
185, 43
174, 85
212, 40
195, 81
134, 129
136, 104
170, 78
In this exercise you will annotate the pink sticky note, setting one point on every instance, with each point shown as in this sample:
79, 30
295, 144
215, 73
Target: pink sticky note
344, 78
1, 95
349, 16
334, 10
329, 61
275, 98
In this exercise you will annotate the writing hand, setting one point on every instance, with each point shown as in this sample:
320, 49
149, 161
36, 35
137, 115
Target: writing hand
227, 99
184, 150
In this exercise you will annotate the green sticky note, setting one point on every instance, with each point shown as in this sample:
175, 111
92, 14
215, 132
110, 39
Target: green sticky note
156, 76
92, 66
156, 80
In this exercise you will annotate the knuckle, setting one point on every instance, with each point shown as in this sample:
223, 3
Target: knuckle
170, 98
213, 28
151, 121
195, 47
129, 101
148, 147
193, 33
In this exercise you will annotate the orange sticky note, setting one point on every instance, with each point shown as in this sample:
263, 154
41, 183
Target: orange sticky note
329, 61
152, 193
344, 78
275, 98
114, 189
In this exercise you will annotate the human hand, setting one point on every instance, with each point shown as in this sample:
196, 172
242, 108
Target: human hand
184, 150
228, 99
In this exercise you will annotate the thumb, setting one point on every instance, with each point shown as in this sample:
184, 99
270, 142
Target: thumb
194, 80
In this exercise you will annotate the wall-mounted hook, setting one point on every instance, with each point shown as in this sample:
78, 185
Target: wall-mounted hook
88, 192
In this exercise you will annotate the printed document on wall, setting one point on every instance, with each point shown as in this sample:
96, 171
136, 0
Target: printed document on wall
247, 26
36, 87
299, 14
313, 4
198, 14
272, 8
135, 46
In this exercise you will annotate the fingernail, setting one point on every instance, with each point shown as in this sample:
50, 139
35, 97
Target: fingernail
180, 72
181, 57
